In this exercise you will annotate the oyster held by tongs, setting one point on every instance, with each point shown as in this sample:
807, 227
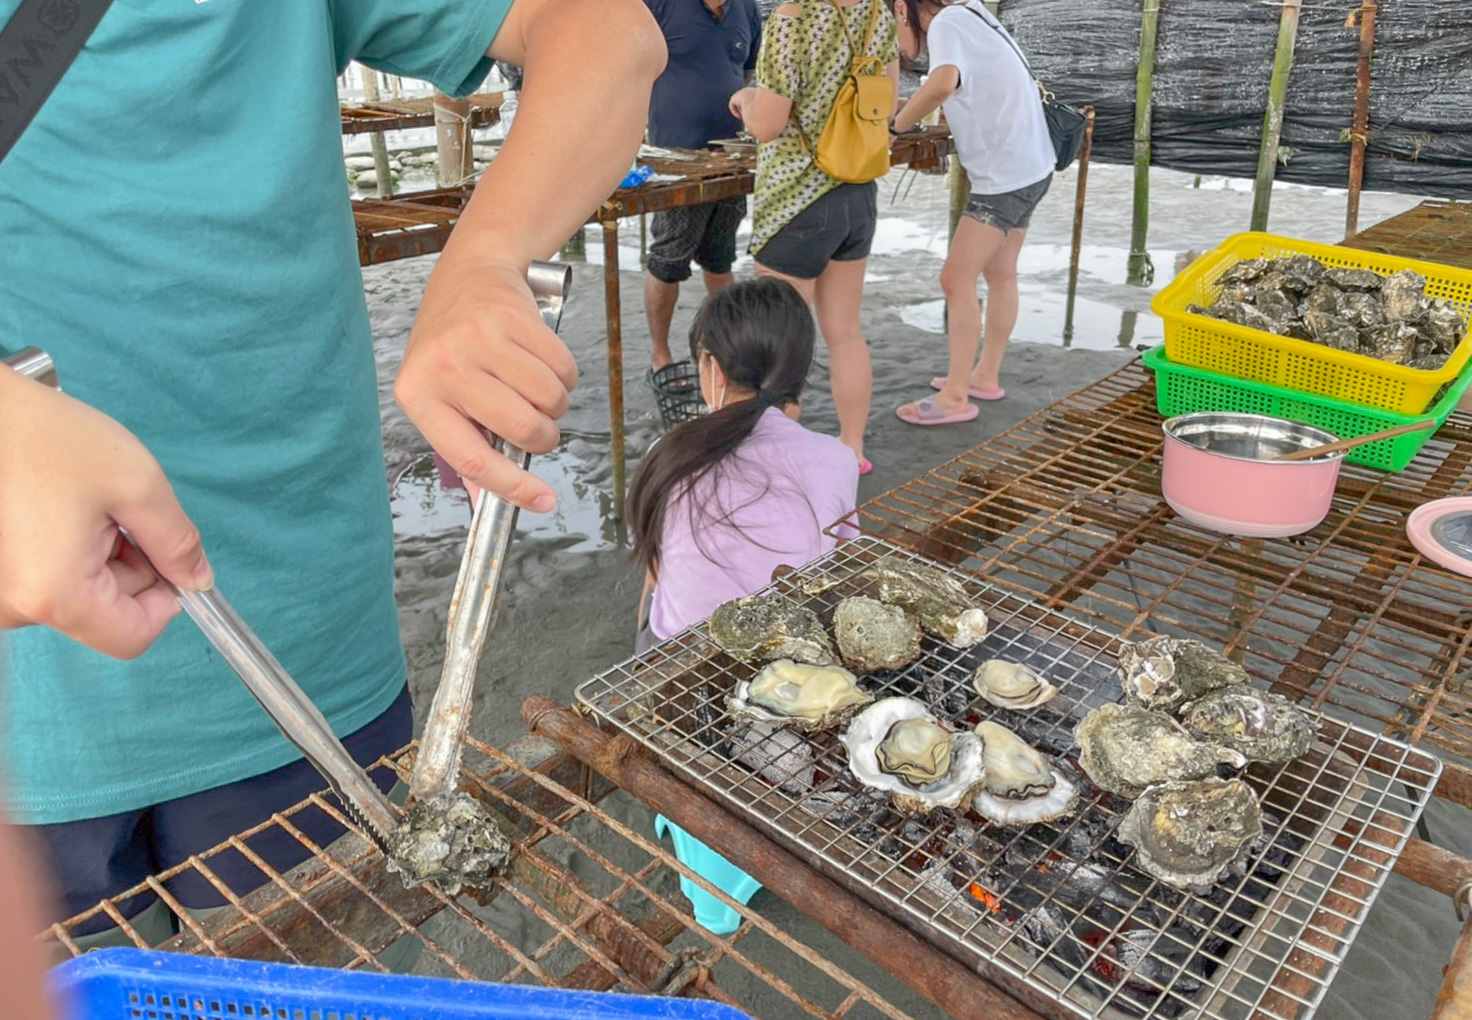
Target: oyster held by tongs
1126, 748
798, 694
1020, 787
872, 635
934, 598
1261, 726
1164, 672
759, 628
1013, 685
914, 745
1187, 834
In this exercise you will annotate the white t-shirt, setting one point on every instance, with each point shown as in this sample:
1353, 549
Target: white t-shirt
995, 116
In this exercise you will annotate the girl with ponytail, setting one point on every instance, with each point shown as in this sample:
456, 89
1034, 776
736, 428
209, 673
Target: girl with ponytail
721, 501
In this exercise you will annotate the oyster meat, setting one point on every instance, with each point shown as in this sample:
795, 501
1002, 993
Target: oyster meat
759, 628
1126, 748
934, 598
1188, 834
897, 746
1020, 788
872, 635
1261, 726
798, 694
1165, 672
1013, 685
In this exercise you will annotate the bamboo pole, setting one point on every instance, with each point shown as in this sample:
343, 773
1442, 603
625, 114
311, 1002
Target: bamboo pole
1140, 270
452, 135
1359, 131
382, 172
1078, 222
1272, 121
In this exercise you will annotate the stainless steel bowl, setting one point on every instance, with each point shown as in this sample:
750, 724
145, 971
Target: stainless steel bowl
1250, 437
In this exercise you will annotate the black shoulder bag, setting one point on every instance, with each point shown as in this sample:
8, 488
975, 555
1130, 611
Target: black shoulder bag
37, 45
1065, 124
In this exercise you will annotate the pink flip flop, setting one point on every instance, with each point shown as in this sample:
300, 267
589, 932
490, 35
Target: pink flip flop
865, 465
928, 412
939, 383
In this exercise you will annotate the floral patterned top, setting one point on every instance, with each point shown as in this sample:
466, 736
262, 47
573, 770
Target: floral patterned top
806, 59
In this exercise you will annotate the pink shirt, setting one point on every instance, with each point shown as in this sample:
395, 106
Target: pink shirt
780, 489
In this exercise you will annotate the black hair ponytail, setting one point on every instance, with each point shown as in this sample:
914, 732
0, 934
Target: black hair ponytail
761, 334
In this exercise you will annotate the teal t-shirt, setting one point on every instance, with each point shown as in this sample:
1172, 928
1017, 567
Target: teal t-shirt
175, 229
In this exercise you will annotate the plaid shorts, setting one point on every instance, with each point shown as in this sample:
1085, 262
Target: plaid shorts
705, 233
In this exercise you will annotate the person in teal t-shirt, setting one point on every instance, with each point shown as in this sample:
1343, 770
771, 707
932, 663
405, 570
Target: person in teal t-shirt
179, 237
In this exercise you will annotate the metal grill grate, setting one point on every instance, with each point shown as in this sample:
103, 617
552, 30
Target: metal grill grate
1055, 912
587, 903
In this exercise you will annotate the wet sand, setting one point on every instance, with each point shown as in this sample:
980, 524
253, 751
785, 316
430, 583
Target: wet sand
570, 592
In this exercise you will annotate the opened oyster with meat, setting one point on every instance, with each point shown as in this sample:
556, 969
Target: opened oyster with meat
898, 746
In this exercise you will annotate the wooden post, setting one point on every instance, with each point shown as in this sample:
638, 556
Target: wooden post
1359, 131
1272, 121
452, 133
1140, 271
382, 172
613, 310
1078, 222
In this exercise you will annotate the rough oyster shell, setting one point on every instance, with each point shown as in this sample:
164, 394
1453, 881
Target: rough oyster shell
1300, 272
1246, 315
1188, 834
1444, 326
1324, 297
1361, 310
1126, 748
872, 635
1276, 305
1391, 342
1013, 685
451, 839
1402, 292
1354, 279
798, 694
759, 628
1261, 726
1165, 672
963, 777
934, 598
1332, 331
1020, 788
1245, 271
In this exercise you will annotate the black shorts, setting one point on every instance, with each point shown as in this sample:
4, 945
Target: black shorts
97, 858
1010, 210
838, 227
705, 233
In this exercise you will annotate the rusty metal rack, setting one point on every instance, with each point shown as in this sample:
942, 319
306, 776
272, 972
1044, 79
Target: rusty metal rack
1056, 913
414, 112
587, 903
1436, 230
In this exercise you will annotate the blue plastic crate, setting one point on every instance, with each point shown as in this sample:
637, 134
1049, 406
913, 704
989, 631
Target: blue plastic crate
137, 984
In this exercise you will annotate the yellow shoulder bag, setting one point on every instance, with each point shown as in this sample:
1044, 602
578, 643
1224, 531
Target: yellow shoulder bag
854, 145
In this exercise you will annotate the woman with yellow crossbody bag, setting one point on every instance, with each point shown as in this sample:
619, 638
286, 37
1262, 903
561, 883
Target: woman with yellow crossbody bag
816, 80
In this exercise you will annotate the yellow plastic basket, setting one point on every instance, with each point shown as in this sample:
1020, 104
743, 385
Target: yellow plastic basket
1202, 342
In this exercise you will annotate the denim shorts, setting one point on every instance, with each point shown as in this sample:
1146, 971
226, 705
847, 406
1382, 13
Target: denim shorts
1011, 210
705, 233
838, 227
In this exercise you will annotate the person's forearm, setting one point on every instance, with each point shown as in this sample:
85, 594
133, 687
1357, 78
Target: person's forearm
22, 959
937, 88
590, 65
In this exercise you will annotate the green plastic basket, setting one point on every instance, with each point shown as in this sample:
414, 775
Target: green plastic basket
1182, 390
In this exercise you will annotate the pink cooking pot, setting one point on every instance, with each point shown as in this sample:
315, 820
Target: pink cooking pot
1215, 473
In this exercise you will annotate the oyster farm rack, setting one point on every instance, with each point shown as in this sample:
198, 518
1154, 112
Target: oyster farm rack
1056, 913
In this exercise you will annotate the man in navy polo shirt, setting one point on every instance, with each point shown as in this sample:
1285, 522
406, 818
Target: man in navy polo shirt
712, 50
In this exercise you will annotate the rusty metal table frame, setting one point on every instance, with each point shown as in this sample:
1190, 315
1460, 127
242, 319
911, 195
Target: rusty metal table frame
414, 112
418, 223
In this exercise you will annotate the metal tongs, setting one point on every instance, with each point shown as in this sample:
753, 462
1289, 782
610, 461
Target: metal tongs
287, 704
474, 600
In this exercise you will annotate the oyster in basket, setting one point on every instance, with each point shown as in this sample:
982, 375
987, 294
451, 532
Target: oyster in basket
1020, 788
1013, 685
1165, 672
872, 635
1402, 293
798, 694
1126, 748
1354, 279
934, 598
896, 745
1187, 834
759, 628
1261, 726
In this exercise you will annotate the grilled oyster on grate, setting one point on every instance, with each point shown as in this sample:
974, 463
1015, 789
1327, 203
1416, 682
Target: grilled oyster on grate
1012, 684
934, 598
896, 745
1187, 834
1263, 727
1166, 672
1126, 748
759, 628
872, 635
798, 694
1020, 788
